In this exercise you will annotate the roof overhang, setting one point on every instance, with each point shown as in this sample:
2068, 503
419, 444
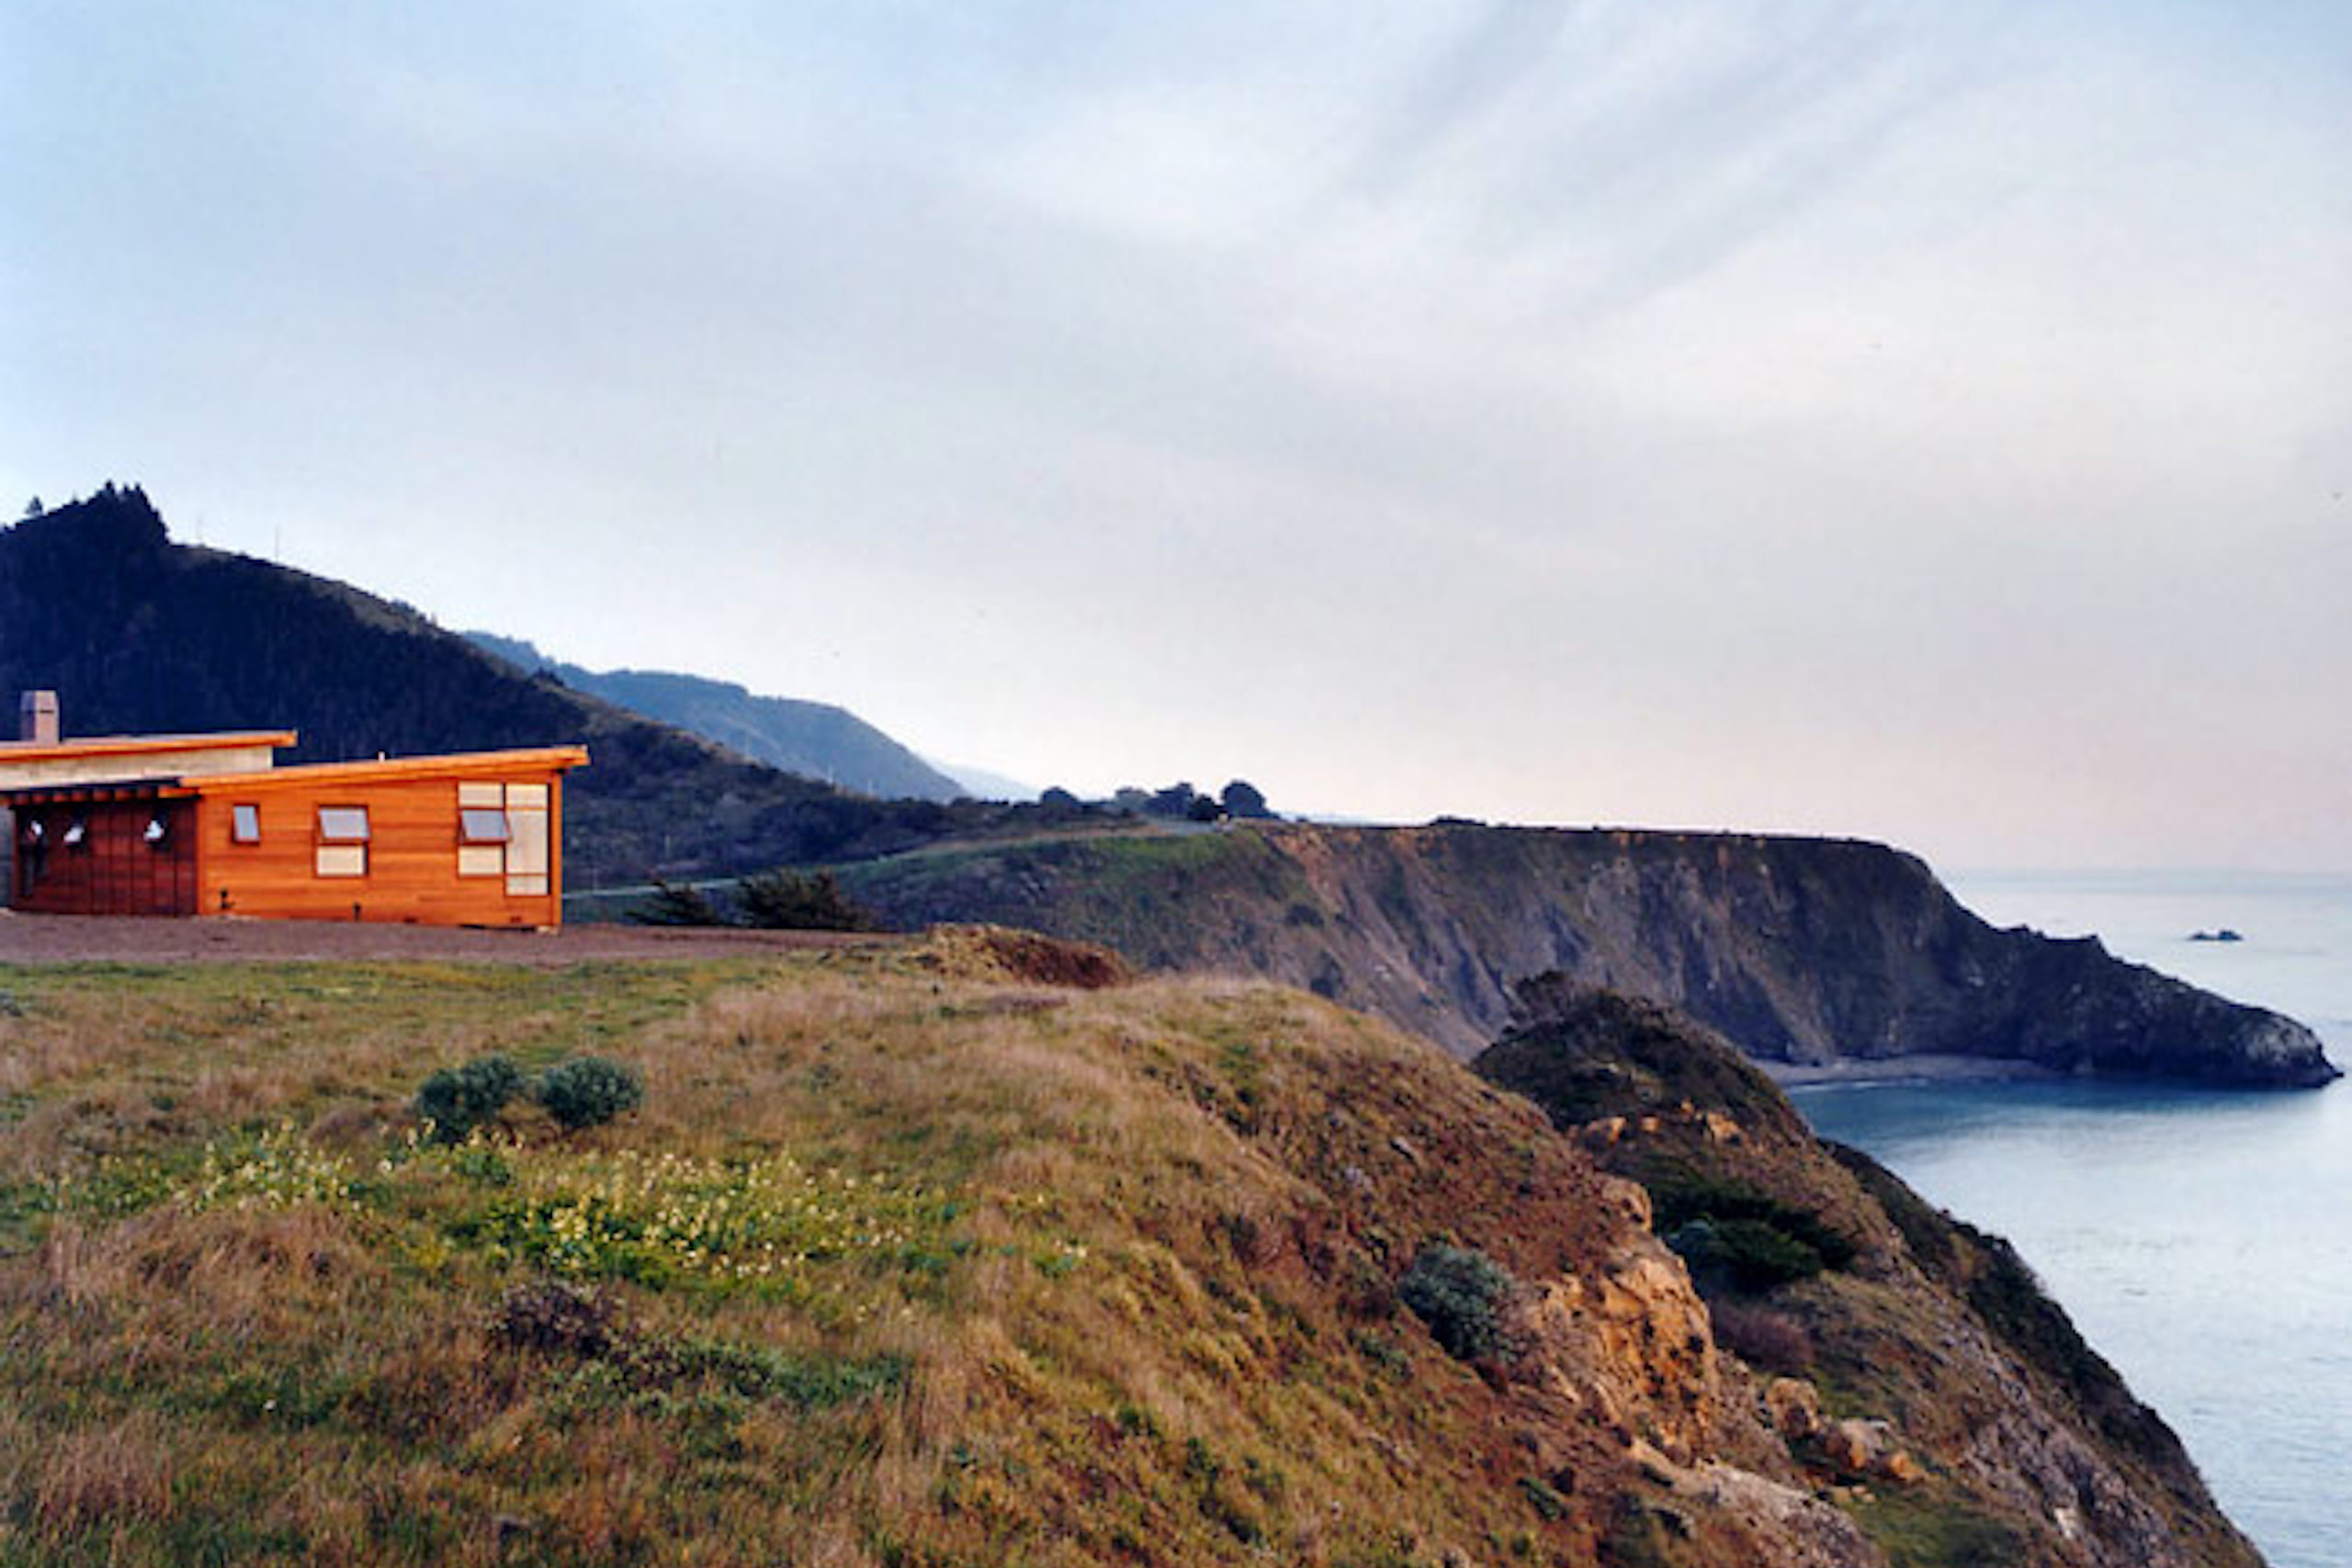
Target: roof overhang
93, 747
108, 789
389, 770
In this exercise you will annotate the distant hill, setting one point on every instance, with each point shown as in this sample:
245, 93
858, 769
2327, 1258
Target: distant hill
814, 739
140, 634
987, 784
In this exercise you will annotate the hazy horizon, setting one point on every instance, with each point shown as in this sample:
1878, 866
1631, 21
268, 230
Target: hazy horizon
1824, 418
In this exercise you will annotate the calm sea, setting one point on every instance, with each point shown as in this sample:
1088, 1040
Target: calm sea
2201, 1241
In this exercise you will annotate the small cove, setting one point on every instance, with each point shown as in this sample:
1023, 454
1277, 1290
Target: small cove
2201, 1240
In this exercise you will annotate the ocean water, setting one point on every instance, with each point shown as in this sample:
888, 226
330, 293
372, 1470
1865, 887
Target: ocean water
2201, 1241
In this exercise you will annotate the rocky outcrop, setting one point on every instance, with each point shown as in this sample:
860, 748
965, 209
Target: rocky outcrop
1802, 951
1908, 1364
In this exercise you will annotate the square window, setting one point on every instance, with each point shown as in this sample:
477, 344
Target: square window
77, 833
343, 824
481, 825
343, 860
244, 824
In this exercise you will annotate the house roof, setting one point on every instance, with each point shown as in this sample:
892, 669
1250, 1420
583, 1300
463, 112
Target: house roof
85, 748
387, 770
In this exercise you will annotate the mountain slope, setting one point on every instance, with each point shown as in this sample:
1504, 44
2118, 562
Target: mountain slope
814, 739
910, 1256
1801, 950
138, 634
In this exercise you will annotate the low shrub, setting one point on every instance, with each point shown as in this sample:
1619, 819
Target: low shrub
1736, 1237
556, 1316
588, 1091
458, 1099
1773, 1341
1459, 1293
791, 900
1742, 1255
676, 904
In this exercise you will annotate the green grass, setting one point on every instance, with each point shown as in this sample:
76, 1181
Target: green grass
1917, 1532
910, 1254
901, 1271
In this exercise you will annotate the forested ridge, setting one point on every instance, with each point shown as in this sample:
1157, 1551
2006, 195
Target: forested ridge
139, 635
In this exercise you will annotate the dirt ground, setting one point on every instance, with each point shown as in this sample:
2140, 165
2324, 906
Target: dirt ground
58, 939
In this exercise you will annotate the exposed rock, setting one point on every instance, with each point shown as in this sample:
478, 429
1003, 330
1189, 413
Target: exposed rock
1868, 1448
1788, 1526
1794, 1408
1984, 1408
1629, 1344
1799, 950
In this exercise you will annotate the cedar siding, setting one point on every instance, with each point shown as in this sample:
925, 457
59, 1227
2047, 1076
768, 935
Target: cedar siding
110, 866
471, 840
410, 865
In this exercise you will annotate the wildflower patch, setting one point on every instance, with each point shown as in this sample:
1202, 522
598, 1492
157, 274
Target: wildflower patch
659, 1219
269, 1168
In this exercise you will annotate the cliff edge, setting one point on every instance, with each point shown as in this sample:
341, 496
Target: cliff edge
1911, 1363
1800, 951
967, 1250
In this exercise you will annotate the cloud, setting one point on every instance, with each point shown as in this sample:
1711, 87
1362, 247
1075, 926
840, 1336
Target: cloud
1833, 416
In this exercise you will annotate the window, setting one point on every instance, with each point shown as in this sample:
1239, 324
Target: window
479, 825
482, 830
502, 831
482, 835
526, 856
343, 824
158, 829
77, 833
343, 841
244, 824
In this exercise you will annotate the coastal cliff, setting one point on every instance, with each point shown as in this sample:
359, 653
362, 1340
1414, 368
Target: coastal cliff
971, 1250
1896, 1349
1800, 951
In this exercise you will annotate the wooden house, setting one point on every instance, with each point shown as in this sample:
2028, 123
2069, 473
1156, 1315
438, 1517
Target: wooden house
206, 824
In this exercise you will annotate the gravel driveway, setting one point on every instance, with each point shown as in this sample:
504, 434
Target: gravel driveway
76, 938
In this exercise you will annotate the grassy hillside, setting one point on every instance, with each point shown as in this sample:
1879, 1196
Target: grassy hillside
912, 1255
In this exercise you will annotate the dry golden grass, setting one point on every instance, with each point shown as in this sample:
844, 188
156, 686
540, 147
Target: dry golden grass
102, 1476
1092, 1281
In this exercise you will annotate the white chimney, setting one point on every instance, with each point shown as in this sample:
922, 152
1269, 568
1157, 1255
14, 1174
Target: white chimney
37, 718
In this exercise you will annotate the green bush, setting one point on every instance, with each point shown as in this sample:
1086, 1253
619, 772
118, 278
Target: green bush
1746, 1255
588, 1091
1459, 1293
1733, 1235
676, 904
458, 1099
790, 900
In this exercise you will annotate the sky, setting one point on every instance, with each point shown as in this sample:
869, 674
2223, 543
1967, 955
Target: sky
1926, 423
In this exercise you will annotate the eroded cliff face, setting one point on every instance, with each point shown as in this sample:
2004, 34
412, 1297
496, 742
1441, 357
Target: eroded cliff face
1910, 1365
1799, 950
